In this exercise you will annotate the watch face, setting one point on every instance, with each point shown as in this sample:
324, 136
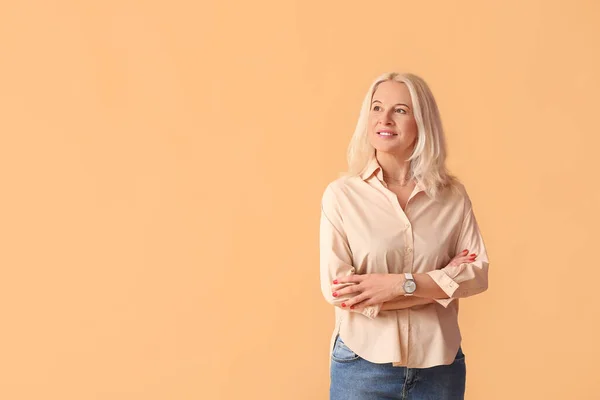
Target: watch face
410, 286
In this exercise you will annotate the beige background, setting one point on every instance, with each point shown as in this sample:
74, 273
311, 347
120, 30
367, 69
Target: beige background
162, 165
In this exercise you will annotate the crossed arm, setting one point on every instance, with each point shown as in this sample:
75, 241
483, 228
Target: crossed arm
386, 289
368, 294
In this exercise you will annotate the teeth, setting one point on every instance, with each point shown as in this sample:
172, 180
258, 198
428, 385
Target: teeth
386, 134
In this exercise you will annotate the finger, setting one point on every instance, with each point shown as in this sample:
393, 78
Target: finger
353, 301
349, 279
357, 302
347, 290
461, 260
366, 303
361, 302
464, 259
464, 253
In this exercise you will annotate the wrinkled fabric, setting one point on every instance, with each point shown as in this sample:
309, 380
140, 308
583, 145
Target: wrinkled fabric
364, 230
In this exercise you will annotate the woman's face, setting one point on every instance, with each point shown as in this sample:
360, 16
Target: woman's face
392, 127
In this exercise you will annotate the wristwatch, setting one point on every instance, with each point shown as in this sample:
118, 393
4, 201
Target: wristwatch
409, 284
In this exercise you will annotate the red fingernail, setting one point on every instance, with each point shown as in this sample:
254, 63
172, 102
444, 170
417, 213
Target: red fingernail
473, 255
352, 307
335, 294
335, 282
343, 304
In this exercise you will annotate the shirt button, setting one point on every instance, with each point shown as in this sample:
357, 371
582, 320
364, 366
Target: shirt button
408, 250
407, 226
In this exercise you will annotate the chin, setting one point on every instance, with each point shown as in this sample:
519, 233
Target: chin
387, 148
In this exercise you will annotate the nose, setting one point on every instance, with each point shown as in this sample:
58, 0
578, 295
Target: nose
386, 119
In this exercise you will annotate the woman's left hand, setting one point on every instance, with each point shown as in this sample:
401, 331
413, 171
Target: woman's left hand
370, 289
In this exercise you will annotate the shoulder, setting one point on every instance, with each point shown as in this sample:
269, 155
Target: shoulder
340, 186
337, 192
461, 190
457, 195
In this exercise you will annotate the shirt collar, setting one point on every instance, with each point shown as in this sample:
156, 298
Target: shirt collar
373, 168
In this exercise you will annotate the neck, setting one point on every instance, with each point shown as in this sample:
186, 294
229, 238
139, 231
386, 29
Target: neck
394, 166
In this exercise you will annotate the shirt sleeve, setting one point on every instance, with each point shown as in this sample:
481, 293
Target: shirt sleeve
466, 279
335, 255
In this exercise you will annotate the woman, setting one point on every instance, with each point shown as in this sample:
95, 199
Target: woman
399, 246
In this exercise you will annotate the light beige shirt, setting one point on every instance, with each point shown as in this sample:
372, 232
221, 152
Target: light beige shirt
364, 230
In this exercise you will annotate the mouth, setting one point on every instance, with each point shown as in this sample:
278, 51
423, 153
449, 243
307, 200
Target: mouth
386, 134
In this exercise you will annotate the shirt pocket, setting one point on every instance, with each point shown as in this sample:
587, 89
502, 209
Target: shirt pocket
341, 352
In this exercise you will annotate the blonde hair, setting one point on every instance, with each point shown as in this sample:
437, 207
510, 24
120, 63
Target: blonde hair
428, 160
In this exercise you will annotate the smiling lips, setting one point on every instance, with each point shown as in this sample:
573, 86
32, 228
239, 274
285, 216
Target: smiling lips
387, 133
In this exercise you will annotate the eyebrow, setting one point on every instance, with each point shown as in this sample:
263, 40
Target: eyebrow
399, 104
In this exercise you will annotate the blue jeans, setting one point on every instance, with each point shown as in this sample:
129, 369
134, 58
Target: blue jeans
354, 378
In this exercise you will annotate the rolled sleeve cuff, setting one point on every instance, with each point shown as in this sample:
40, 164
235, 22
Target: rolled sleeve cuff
444, 302
371, 311
446, 283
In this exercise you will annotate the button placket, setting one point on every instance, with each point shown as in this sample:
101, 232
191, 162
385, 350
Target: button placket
408, 250
393, 199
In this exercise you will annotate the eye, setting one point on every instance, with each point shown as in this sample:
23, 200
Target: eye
376, 108
401, 111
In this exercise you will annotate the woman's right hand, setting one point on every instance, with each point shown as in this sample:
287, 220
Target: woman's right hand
462, 257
